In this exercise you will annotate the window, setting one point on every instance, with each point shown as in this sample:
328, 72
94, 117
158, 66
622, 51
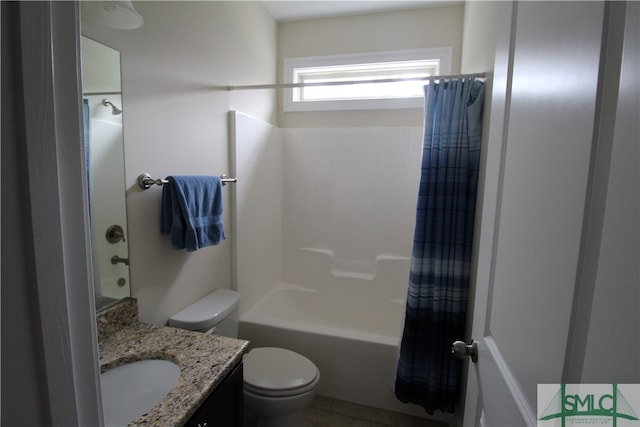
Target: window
316, 71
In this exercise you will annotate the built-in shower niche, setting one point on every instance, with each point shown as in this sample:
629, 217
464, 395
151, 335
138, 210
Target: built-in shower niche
386, 276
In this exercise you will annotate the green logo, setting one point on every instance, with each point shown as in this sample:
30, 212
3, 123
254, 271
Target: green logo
583, 404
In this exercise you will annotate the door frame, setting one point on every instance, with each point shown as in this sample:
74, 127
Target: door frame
490, 188
57, 229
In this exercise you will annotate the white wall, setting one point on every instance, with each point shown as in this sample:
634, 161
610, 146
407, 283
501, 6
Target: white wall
409, 29
479, 36
101, 67
347, 193
175, 123
351, 191
257, 237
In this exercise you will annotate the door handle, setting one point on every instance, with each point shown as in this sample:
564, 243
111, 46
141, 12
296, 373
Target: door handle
114, 234
116, 259
461, 350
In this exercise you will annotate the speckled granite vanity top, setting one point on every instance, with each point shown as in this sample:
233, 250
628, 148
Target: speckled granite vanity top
204, 360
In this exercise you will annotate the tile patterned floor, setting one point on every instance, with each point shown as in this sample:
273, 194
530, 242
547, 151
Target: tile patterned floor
327, 412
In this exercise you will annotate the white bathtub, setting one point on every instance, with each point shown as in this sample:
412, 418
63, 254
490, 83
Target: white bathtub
353, 339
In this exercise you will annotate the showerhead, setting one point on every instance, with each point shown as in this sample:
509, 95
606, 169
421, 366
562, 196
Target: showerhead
114, 110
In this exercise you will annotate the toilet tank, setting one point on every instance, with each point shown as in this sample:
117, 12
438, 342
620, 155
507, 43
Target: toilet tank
215, 313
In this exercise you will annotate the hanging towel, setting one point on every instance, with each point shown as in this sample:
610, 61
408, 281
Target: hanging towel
192, 211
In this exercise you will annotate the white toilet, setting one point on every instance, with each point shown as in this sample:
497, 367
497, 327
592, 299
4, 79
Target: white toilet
278, 383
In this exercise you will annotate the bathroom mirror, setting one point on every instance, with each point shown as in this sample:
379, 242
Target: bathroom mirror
104, 149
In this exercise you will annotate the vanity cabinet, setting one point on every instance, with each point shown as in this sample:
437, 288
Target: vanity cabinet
223, 408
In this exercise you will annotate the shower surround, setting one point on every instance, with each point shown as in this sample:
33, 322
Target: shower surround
322, 237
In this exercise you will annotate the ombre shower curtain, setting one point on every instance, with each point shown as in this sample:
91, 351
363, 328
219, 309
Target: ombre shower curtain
428, 374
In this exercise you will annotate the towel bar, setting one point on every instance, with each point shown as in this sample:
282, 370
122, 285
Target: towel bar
145, 181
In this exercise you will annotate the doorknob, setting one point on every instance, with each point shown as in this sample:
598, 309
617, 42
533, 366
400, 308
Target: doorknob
460, 349
114, 234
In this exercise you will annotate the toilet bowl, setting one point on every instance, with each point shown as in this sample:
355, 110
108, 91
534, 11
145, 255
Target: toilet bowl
278, 382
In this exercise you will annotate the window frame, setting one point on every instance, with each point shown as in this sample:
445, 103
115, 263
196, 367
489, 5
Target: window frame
443, 54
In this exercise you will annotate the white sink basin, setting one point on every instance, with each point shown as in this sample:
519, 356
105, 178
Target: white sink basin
130, 390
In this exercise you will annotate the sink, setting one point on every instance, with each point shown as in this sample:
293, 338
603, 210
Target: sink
129, 391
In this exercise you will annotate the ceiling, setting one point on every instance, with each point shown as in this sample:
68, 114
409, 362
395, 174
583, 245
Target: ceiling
295, 10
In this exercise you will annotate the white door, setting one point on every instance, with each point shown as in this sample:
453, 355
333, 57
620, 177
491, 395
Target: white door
540, 141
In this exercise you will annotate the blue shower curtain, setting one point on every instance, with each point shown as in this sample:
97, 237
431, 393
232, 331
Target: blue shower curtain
428, 374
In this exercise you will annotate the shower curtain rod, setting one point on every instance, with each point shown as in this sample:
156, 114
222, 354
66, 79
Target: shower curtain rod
349, 82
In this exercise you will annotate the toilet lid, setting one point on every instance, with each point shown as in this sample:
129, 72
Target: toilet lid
278, 372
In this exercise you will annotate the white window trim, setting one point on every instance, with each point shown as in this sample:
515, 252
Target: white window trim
442, 53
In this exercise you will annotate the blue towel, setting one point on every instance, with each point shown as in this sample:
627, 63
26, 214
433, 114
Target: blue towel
192, 211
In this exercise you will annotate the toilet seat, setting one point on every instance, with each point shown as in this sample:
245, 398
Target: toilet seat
278, 372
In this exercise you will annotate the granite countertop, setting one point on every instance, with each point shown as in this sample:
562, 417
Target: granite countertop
204, 360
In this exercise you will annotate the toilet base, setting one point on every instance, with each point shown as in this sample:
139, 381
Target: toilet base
264, 411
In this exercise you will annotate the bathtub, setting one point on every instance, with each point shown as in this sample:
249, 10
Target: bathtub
353, 339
